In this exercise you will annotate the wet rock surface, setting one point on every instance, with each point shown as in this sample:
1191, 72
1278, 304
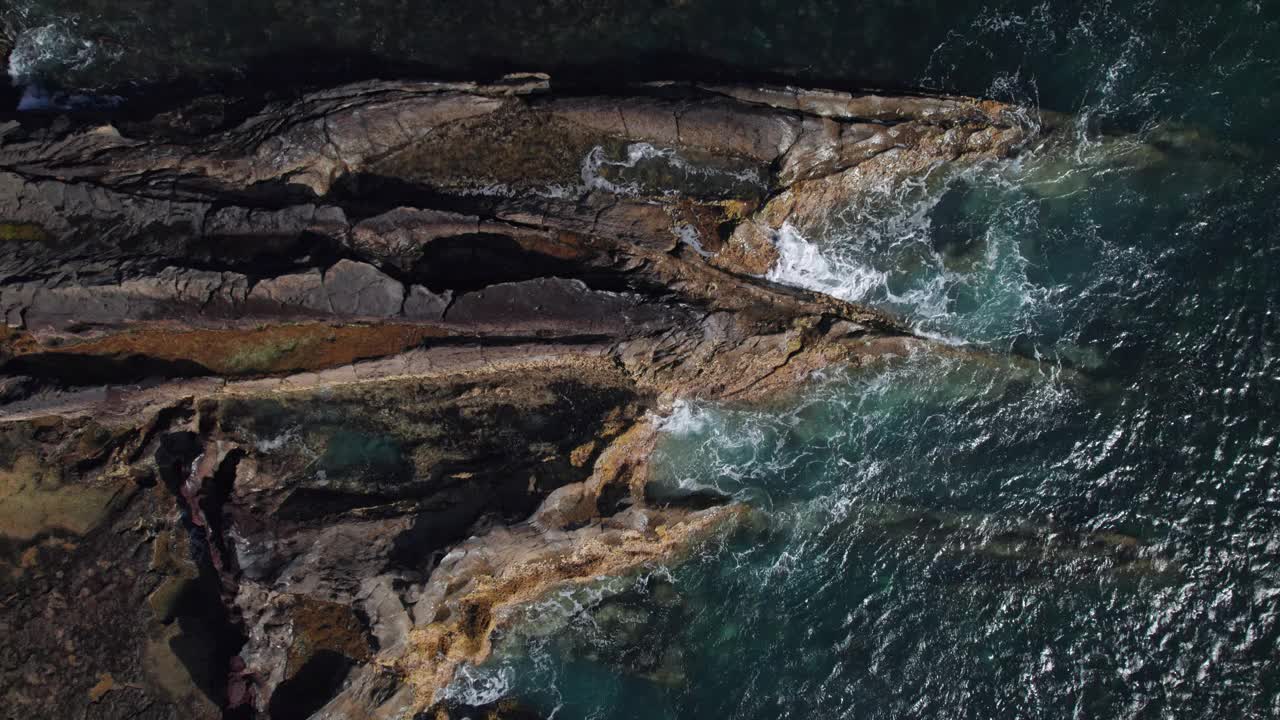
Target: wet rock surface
298, 412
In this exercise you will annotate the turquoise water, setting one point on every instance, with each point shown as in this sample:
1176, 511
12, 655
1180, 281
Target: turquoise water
1085, 525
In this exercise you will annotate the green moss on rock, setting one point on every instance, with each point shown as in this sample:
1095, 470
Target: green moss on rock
22, 232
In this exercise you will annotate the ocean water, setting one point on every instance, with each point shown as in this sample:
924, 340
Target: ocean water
1075, 513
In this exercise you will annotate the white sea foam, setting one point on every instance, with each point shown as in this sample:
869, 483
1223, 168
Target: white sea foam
688, 235
54, 44
642, 151
478, 686
596, 160
884, 251
803, 264
864, 243
685, 419
270, 445
54, 48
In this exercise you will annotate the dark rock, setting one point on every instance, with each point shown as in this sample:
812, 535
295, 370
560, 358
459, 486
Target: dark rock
398, 237
16, 387
422, 304
304, 291
554, 305
360, 290
697, 499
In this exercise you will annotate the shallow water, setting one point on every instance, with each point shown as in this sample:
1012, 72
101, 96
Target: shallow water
1083, 523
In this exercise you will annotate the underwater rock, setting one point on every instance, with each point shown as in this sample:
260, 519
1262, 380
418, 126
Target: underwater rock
501, 710
630, 623
1010, 548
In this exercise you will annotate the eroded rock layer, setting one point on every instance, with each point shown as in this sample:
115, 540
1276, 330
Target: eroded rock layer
296, 411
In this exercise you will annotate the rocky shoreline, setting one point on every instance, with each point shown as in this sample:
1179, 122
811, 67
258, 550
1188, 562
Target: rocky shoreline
297, 409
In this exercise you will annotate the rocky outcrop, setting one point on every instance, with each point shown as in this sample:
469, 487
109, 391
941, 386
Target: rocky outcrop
296, 414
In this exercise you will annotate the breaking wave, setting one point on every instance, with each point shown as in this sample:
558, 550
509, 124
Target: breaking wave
48, 47
54, 50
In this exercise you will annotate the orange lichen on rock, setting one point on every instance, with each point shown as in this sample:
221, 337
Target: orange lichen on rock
105, 685
16, 342
320, 626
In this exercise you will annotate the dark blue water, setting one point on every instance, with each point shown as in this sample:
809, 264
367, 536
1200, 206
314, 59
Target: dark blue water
1082, 524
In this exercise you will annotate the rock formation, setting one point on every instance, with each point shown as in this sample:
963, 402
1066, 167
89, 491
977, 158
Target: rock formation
298, 407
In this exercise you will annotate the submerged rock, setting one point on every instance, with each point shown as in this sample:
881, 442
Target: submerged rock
501, 710
977, 547
375, 367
